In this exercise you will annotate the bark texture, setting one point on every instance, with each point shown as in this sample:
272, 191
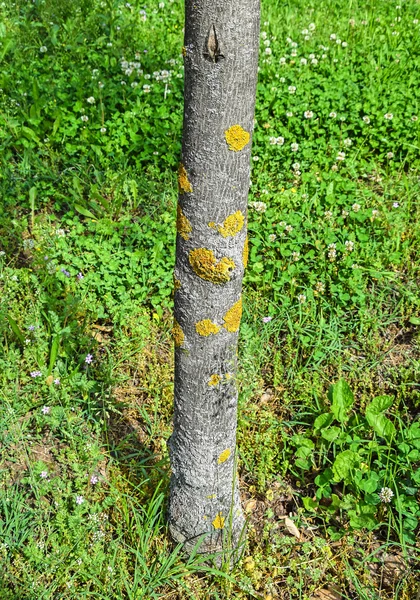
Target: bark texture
221, 62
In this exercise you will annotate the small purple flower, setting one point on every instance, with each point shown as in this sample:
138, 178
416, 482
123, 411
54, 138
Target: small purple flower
267, 319
57, 381
395, 205
65, 272
44, 474
94, 479
36, 374
79, 500
79, 276
45, 410
31, 327
88, 359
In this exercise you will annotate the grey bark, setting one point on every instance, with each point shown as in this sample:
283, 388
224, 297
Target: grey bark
221, 63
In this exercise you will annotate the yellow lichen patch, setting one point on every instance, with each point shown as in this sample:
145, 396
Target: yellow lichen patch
177, 334
183, 226
236, 137
224, 456
183, 181
212, 224
214, 379
177, 284
205, 266
245, 253
211, 497
206, 327
219, 521
232, 224
228, 376
233, 316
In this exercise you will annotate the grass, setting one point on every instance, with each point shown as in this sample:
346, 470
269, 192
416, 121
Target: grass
329, 344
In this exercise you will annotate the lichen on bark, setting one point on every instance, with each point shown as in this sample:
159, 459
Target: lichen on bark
205, 265
237, 138
245, 253
231, 225
233, 316
206, 328
183, 181
177, 334
183, 226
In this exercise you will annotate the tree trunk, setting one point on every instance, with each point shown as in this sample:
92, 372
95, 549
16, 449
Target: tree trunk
221, 62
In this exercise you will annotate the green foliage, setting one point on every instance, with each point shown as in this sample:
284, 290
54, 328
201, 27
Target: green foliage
358, 460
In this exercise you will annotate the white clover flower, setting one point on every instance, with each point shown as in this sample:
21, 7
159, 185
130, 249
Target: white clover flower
268, 51
109, 44
43, 49
161, 5
289, 114
390, 155
314, 61
84, 118
345, 213
303, 61
296, 256
266, 42
334, 168
263, 35
386, 495
296, 166
282, 80
282, 61
288, 228
255, 158
308, 114
307, 37
333, 36
259, 206
103, 129
355, 207
328, 214
341, 156
292, 89
304, 31
352, 22
333, 115
280, 141
146, 89
347, 142
134, 84
375, 213
272, 237
415, 21
294, 45
344, 44
388, 116
91, 100
338, 41
349, 246
293, 53
319, 287
273, 141
294, 147
366, 119
311, 26
100, 84
301, 298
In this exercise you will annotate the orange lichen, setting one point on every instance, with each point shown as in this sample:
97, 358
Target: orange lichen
177, 334
245, 253
183, 181
214, 379
177, 284
236, 137
206, 327
231, 225
205, 266
183, 226
224, 456
233, 316
219, 521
